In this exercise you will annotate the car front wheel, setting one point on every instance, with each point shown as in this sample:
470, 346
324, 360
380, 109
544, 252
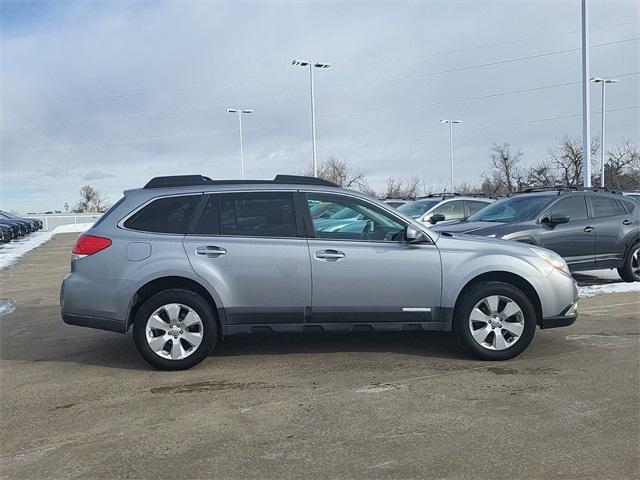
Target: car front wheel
494, 321
175, 329
630, 272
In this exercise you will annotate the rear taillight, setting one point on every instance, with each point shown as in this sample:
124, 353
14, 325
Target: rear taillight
90, 244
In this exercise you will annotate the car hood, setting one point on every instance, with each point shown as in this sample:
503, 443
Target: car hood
475, 228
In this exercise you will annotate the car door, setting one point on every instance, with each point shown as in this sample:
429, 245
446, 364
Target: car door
250, 247
365, 272
611, 222
575, 240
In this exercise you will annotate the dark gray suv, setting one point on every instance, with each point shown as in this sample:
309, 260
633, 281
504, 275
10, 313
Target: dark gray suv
186, 260
589, 228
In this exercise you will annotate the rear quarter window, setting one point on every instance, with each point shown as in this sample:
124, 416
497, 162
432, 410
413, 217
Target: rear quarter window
164, 215
606, 207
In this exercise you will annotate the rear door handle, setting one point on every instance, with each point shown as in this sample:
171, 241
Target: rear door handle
329, 255
211, 251
588, 229
626, 222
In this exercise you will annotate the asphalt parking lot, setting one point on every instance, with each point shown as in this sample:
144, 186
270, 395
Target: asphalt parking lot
80, 403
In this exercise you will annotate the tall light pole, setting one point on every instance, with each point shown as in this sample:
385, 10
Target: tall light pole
603, 81
240, 112
312, 65
450, 122
586, 98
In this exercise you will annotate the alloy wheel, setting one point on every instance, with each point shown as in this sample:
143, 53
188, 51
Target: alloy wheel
496, 322
174, 331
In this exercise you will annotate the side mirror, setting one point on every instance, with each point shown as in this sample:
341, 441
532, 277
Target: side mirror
555, 220
436, 217
414, 235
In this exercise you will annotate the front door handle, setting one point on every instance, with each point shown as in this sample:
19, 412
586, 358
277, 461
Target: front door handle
329, 255
626, 222
588, 229
211, 251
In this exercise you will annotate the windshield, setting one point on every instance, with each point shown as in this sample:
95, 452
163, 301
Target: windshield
418, 208
512, 209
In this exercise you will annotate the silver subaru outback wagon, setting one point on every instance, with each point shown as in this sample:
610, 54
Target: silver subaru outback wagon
186, 260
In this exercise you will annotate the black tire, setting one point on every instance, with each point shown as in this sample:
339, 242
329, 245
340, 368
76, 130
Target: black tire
630, 263
468, 301
190, 299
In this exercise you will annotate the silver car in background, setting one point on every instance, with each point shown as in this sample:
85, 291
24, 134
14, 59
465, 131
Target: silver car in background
437, 208
186, 260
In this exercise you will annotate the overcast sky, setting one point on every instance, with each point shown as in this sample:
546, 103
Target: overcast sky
113, 93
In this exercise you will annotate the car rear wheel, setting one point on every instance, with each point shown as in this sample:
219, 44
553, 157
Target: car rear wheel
630, 272
175, 329
494, 321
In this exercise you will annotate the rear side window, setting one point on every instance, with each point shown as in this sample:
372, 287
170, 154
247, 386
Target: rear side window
164, 215
258, 214
574, 207
475, 206
606, 207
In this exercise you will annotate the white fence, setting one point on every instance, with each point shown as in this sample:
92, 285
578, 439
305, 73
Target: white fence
55, 220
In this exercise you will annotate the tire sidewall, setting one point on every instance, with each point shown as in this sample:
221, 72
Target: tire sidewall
463, 310
190, 299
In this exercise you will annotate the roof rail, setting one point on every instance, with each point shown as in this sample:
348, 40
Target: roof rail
303, 180
178, 181
456, 194
195, 180
565, 188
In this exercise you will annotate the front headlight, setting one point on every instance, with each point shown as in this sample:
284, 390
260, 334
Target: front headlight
552, 259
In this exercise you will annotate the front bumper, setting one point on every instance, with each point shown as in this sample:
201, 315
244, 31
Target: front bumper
566, 318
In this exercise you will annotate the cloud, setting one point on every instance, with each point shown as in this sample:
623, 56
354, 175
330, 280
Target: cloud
97, 175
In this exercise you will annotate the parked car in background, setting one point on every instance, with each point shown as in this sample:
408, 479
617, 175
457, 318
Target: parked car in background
436, 208
589, 228
30, 224
186, 260
16, 230
633, 195
6, 235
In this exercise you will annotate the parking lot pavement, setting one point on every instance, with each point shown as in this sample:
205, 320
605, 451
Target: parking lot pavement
80, 403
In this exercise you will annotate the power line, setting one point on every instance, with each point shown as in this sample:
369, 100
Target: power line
259, 79
478, 47
490, 127
210, 133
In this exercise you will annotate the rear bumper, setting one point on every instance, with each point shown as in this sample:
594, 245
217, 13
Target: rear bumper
95, 322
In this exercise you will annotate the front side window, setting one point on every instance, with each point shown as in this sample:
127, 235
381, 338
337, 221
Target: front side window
605, 207
453, 210
164, 215
258, 214
354, 220
574, 207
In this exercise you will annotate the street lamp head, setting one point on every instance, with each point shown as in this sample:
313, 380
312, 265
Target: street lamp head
456, 121
300, 63
232, 110
446, 120
595, 79
322, 65
603, 80
611, 80
248, 110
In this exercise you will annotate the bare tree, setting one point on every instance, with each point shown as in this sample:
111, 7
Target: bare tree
338, 172
506, 167
622, 168
397, 188
566, 157
91, 200
541, 175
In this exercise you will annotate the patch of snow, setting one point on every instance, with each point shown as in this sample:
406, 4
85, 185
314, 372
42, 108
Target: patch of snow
7, 306
11, 252
621, 287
